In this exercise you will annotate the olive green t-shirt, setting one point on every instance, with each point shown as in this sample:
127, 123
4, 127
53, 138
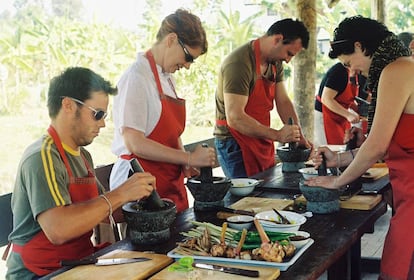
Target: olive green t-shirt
238, 75
42, 182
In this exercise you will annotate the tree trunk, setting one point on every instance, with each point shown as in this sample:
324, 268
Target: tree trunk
378, 10
305, 68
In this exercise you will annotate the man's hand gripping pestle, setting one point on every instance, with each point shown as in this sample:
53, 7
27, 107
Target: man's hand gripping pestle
154, 201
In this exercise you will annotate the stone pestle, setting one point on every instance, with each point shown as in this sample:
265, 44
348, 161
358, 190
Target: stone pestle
352, 143
154, 201
322, 168
292, 145
206, 173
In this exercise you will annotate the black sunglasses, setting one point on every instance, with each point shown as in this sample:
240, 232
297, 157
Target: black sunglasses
97, 114
188, 56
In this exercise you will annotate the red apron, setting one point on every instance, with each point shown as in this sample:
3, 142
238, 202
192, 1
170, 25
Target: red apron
258, 154
334, 124
397, 260
39, 255
169, 176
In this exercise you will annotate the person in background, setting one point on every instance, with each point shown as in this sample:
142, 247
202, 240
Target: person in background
56, 202
408, 40
378, 53
335, 105
149, 116
250, 83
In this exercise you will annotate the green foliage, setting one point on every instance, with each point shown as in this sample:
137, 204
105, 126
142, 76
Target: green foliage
35, 45
38, 42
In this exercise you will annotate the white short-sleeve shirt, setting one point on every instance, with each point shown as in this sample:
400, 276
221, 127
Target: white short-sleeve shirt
137, 104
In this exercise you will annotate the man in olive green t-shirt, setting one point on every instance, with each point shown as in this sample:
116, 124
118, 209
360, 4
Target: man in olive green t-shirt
250, 84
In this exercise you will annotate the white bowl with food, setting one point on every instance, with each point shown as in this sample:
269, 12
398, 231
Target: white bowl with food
272, 222
309, 172
300, 239
240, 222
243, 186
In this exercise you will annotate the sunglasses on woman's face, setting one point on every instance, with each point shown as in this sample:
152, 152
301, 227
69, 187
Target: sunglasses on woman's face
97, 114
188, 56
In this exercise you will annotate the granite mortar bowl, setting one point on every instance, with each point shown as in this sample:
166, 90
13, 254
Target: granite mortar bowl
149, 226
320, 200
299, 154
209, 191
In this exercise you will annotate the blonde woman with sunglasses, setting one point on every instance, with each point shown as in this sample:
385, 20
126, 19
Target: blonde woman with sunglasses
149, 115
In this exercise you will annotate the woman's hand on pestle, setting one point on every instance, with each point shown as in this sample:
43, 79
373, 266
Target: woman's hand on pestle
328, 182
330, 157
203, 156
190, 172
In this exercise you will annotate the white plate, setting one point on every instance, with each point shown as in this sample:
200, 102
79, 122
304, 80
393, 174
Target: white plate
283, 266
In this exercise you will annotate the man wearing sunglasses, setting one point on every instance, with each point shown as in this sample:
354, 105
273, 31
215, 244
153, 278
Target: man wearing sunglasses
250, 84
57, 200
149, 116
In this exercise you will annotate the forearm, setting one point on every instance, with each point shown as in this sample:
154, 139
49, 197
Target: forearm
335, 107
364, 159
155, 151
248, 126
149, 149
345, 158
64, 223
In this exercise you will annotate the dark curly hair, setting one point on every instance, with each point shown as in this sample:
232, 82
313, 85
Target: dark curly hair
369, 32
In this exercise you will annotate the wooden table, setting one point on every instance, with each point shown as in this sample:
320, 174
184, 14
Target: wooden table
337, 247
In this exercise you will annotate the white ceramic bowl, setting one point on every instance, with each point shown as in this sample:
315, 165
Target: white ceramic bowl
296, 221
300, 242
309, 172
243, 186
240, 222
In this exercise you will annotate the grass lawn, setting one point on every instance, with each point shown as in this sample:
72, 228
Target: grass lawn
20, 131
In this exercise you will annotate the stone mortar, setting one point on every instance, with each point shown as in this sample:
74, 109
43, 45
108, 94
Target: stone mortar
320, 200
147, 226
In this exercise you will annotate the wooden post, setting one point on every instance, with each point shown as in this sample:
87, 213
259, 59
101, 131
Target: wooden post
378, 10
305, 68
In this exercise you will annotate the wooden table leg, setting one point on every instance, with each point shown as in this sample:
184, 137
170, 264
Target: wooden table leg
355, 256
339, 270
348, 266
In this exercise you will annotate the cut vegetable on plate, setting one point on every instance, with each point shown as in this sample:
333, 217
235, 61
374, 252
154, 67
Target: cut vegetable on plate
234, 249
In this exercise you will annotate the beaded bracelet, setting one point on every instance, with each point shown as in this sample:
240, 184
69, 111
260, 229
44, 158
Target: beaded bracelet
110, 216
